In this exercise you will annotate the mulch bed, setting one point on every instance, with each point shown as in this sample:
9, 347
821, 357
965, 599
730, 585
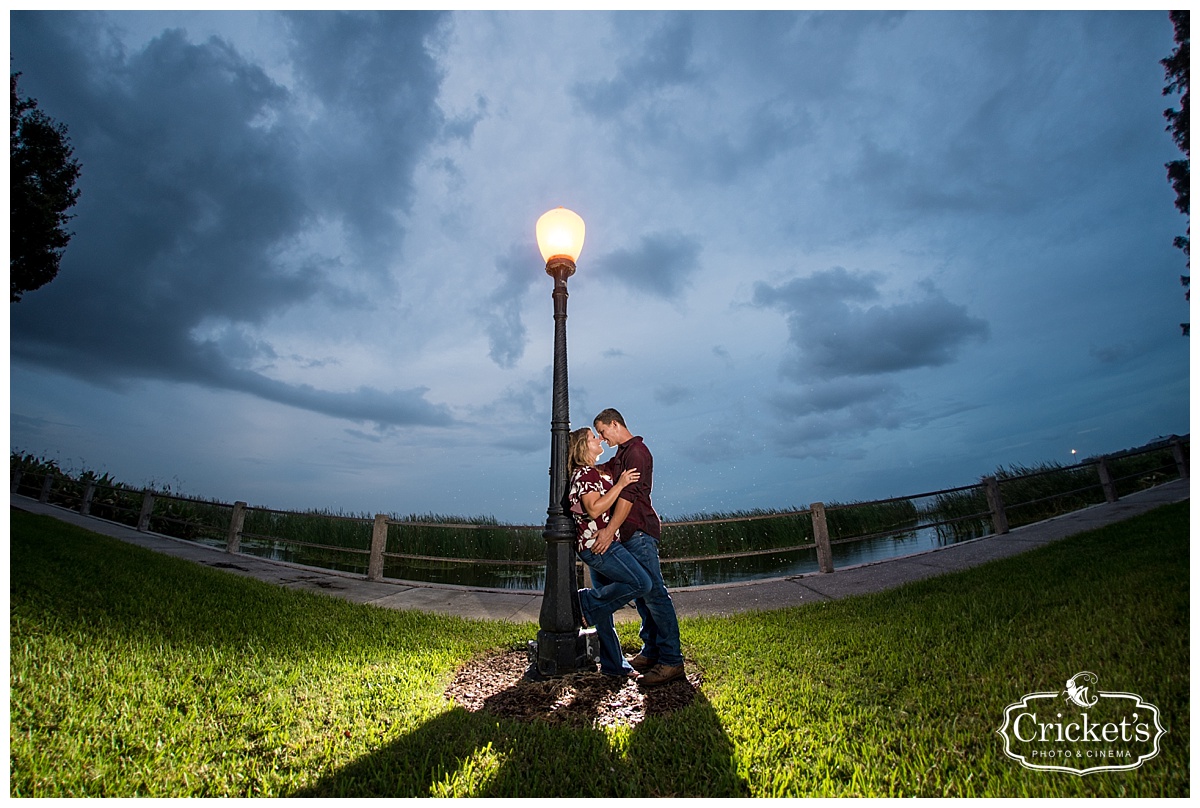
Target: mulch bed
497, 684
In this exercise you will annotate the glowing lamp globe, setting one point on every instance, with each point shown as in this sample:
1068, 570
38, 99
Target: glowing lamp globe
560, 235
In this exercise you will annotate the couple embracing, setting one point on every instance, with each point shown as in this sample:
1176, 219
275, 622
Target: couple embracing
618, 532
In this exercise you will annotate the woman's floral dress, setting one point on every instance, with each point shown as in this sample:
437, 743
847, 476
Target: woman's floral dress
583, 481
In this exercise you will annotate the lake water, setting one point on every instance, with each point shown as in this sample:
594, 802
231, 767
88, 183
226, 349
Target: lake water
677, 574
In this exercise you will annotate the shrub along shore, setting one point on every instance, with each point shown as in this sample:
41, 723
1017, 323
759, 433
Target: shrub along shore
340, 541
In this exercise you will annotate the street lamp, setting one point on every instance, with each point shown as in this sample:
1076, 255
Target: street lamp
561, 646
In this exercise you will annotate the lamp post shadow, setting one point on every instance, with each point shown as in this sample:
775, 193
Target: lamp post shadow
676, 746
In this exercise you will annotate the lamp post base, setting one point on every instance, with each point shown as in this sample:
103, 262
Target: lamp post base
556, 653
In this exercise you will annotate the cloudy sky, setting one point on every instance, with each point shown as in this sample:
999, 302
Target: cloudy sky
829, 256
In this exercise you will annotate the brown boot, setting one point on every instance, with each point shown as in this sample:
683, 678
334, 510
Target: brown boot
661, 674
641, 664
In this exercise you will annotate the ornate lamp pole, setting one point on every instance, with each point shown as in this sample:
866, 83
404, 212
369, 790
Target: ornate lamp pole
561, 645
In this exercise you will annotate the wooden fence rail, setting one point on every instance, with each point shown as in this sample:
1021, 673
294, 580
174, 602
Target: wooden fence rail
997, 512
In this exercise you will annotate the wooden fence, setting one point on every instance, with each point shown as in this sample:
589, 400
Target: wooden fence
980, 509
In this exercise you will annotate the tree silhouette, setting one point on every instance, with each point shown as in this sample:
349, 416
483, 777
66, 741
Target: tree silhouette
42, 190
1178, 171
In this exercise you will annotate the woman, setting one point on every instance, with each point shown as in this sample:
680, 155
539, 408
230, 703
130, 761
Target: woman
617, 577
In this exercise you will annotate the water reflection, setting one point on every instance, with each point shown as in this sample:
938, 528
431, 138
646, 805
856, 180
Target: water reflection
800, 562
676, 573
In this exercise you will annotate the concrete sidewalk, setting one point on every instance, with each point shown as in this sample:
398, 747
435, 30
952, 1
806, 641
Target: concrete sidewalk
722, 599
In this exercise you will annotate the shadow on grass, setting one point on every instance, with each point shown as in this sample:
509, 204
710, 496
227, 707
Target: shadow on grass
93, 588
478, 754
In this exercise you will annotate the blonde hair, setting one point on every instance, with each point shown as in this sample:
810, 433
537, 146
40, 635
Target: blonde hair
578, 455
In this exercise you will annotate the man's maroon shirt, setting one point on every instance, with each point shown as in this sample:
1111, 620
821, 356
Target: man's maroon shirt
633, 454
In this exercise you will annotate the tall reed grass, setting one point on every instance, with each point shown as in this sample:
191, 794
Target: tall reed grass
444, 549
1043, 491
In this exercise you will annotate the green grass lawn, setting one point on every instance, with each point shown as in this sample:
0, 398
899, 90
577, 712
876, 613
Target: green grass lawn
136, 674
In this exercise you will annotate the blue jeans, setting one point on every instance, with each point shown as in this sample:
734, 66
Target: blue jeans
660, 625
617, 578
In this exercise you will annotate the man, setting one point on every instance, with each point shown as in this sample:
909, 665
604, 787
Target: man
660, 659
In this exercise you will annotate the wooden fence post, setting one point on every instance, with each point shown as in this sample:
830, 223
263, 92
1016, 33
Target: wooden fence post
16, 480
821, 537
1180, 461
378, 545
147, 508
233, 543
996, 506
47, 485
85, 507
1106, 481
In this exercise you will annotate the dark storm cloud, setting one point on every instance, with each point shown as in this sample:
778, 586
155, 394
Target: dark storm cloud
377, 86
834, 395
363, 404
823, 418
839, 326
672, 394
802, 63
812, 421
662, 61
201, 177
517, 419
638, 102
1040, 140
846, 347
1113, 354
662, 264
820, 436
501, 313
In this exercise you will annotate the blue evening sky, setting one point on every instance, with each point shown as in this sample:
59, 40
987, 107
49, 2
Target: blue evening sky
829, 256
